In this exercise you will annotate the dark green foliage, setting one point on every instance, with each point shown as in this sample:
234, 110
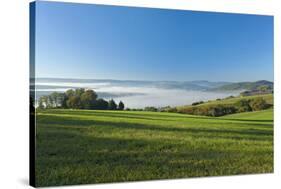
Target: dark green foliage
197, 103
150, 109
74, 102
77, 99
220, 108
243, 105
112, 105
172, 110
70, 93
121, 106
258, 104
88, 99
136, 109
100, 104
79, 92
215, 110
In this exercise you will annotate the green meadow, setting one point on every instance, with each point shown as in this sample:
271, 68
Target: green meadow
91, 146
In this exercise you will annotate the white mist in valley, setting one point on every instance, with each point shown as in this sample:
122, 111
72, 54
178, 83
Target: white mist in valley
169, 97
136, 96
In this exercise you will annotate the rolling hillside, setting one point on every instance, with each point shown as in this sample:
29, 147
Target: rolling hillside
244, 86
226, 102
87, 146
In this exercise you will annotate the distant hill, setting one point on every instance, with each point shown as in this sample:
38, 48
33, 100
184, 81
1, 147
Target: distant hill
229, 105
245, 86
185, 85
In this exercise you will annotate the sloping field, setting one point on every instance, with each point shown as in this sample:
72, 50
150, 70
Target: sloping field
230, 101
84, 146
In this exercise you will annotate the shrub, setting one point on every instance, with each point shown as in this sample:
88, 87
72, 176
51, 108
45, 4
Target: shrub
221, 110
150, 109
243, 105
214, 110
197, 103
172, 110
100, 104
112, 105
121, 106
258, 104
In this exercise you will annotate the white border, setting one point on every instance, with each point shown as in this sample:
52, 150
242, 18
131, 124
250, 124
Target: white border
14, 93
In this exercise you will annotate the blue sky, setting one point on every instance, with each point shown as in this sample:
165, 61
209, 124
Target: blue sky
111, 42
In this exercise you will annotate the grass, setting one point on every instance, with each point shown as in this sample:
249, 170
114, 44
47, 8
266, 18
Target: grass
87, 146
230, 101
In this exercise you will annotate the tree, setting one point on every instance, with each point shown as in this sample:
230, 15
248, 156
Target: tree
100, 104
41, 102
69, 93
79, 92
112, 105
74, 102
173, 110
57, 99
258, 104
243, 105
121, 106
88, 99
150, 109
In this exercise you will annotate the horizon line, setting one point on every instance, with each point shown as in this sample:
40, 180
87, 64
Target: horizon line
150, 80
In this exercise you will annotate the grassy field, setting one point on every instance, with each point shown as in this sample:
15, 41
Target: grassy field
84, 146
231, 101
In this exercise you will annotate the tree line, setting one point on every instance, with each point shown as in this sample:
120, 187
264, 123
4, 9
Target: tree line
78, 99
243, 105
214, 110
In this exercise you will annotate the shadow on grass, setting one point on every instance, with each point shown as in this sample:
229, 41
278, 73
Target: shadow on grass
105, 159
147, 116
167, 128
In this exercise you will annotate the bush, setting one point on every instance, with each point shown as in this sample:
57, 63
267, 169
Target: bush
150, 109
112, 105
121, 106
221, 110
197, 103
100, 104
258, 104
214, 110
243, 105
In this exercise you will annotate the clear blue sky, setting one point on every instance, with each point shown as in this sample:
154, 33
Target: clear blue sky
111, 42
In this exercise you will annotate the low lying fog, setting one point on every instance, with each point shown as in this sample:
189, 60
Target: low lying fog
141, 96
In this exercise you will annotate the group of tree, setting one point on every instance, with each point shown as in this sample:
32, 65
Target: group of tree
78, 99
243, 105
214, 109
